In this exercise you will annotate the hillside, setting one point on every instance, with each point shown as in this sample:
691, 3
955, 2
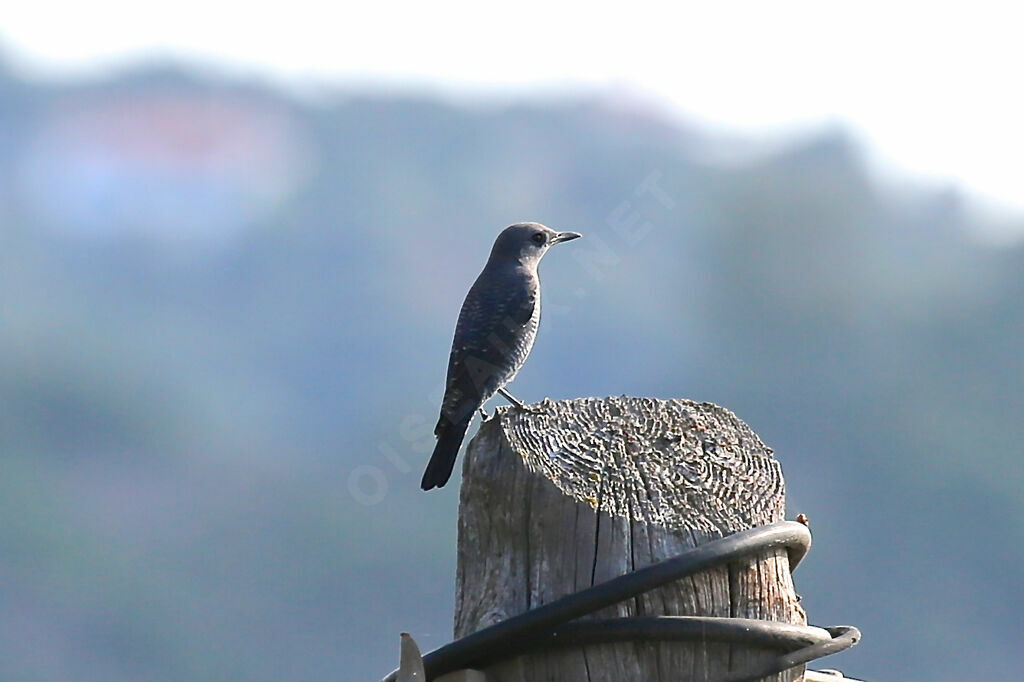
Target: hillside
227, 313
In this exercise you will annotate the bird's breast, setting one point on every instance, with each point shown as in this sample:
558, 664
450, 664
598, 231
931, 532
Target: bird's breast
523, 341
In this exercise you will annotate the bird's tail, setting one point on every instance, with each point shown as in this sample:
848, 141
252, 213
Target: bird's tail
449, 440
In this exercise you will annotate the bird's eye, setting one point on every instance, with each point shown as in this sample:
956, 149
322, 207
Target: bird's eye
538, 238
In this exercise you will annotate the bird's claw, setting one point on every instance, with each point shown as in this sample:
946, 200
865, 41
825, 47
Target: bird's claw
519, 405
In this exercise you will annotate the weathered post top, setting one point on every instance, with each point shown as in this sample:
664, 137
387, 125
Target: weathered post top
585, 490
641, 457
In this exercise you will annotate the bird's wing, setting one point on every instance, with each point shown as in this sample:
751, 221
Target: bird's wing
491, 321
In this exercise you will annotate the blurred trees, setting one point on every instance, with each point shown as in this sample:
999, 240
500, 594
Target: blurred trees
220, 302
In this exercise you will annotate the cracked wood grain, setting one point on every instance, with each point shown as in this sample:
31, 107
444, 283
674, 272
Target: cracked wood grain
593, 488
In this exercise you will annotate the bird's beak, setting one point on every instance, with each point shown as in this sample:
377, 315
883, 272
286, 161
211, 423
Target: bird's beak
565, 236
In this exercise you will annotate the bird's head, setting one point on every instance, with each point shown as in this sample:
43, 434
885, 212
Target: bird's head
527, 242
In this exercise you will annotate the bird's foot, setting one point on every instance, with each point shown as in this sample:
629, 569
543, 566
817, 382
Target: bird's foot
519, 404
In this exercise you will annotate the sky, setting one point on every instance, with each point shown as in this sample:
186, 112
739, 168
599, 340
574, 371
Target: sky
933, 89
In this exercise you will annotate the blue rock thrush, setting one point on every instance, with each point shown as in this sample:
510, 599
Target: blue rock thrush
494, 334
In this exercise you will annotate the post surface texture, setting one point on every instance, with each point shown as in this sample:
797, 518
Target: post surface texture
589, 489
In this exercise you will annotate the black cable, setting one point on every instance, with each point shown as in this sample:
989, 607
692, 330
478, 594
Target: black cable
761, 633
842, 637
549, 624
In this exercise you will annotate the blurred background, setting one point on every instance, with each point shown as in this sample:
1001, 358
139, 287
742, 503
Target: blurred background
234, 241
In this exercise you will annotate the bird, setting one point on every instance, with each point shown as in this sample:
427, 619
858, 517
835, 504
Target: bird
493, 336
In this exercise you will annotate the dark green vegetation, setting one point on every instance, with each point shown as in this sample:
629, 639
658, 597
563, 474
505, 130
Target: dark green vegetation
225, 324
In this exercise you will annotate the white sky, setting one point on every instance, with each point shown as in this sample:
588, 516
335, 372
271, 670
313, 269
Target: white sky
934, 88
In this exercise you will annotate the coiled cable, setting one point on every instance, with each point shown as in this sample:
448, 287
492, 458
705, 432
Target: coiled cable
553, 624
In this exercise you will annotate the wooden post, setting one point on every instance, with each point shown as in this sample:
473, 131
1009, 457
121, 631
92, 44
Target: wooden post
589, 489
